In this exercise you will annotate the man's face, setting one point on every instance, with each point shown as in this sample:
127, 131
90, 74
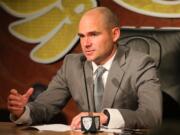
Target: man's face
97, 40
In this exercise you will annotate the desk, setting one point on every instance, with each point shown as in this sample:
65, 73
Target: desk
8, 128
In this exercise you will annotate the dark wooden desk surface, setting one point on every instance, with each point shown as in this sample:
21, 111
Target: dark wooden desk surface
9, 128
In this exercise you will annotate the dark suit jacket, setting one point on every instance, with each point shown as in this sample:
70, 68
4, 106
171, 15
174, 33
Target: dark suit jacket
132, 87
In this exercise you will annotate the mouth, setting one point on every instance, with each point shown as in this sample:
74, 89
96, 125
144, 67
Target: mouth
89, 52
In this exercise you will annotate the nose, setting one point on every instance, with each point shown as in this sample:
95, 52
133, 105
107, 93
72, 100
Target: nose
87, 42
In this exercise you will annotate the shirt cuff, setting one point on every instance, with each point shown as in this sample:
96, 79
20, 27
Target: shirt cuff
115, 120
24, 119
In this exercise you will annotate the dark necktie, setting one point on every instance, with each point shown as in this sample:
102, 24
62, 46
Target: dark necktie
98, 88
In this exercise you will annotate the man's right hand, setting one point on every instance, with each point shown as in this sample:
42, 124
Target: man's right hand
17, 101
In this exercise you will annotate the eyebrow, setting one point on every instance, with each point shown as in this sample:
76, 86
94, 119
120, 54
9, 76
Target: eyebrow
89, 33
80, 34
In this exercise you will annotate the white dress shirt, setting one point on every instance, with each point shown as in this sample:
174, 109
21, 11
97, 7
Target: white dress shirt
116, 120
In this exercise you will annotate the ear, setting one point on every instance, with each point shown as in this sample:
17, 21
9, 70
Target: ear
116, 33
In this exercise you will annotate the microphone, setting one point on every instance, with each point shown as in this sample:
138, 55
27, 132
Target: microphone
83, 59
89, 123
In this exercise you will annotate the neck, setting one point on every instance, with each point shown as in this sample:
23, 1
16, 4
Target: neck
107, 57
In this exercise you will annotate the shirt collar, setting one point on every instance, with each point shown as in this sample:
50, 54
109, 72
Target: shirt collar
106, 65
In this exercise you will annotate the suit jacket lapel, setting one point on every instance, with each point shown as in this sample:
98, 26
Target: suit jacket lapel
114, 79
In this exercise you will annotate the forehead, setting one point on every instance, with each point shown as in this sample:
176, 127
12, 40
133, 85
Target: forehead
92, 22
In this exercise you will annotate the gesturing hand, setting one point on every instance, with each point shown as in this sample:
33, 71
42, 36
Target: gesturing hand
17, 101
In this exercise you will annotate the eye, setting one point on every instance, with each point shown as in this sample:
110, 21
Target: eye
80, 35
94, 34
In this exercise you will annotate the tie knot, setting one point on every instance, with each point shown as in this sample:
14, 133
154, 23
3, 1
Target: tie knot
99, 71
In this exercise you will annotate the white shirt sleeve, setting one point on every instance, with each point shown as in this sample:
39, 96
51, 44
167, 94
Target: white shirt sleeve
116, 120
24, 119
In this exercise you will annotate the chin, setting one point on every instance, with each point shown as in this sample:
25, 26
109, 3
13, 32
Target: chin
89, 59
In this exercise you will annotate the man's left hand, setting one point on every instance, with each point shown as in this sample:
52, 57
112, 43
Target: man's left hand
76, 122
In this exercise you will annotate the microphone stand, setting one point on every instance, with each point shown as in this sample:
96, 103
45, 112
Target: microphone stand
90, 123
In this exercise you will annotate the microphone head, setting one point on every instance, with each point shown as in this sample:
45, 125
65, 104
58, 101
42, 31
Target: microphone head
83, 58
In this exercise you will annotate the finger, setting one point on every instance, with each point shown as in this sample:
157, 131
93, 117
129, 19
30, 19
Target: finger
14, 92
15, 103
16, 111
14, 108
76, 122
14, 100
14, 97
28, 93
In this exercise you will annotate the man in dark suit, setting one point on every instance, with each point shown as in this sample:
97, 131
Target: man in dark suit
131, 96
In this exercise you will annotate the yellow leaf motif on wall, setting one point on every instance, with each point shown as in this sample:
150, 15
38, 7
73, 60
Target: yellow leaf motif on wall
158, 8
51, 23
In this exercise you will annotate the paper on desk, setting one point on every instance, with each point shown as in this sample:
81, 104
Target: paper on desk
63, 128
53, 127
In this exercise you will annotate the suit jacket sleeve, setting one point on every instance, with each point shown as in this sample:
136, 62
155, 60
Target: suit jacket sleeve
52, 100
144, 82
